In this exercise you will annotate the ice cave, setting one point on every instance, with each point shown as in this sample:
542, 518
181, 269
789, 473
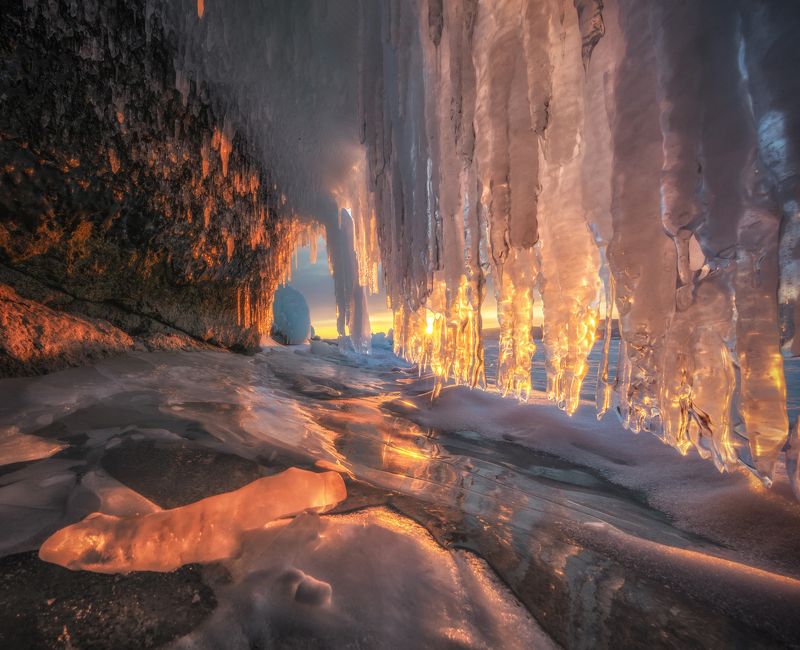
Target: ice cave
399, 324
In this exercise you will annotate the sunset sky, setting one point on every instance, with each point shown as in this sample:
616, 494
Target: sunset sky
316, 284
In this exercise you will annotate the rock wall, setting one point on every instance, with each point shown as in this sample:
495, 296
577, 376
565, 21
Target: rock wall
35, 338
136, 202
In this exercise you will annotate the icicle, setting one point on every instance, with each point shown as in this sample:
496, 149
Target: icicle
352, 317
597, 166
770, 59
641, 256
762, 391
569, 258
603, 387
507, 125
770, 183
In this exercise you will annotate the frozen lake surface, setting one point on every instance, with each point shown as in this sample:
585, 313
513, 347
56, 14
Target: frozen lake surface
473, 521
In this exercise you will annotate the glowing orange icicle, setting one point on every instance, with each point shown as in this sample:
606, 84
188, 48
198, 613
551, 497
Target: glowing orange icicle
514, 289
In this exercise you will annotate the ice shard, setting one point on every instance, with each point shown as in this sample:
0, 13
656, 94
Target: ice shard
205, 531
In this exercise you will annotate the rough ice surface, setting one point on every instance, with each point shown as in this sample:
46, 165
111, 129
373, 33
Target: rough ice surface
309, 574
291, 321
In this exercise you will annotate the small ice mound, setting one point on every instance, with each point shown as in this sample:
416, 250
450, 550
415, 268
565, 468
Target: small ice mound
381, 340
291, 319
323, 349
396, 587
311, 591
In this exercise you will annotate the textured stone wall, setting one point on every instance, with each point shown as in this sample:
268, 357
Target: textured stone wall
136, 203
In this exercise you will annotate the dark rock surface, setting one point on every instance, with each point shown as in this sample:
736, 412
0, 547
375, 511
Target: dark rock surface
174, 474
46, 606
48, 333
136, 203
35, 338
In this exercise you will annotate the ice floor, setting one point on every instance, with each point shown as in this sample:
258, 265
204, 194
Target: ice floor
469, 522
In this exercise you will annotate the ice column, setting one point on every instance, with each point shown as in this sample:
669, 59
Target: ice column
704, 154
569, 268
641, 255
597, 165
352, 315
507, 129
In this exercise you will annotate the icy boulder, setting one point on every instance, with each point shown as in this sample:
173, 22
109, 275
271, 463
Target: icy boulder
292, 322
381, 340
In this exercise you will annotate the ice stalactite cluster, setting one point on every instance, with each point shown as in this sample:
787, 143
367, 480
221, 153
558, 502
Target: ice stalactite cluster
619, 158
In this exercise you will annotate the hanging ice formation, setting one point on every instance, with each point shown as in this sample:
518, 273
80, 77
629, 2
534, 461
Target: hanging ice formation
632, 153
